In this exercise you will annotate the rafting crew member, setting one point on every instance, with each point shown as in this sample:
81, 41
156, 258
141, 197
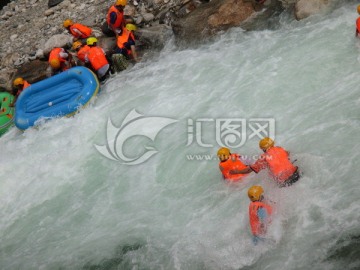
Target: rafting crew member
97, 58
126, 43
276, 159
77, 30
357, 32
20, 84
259, 213
81, 51
115, 20
229, 165
59, 60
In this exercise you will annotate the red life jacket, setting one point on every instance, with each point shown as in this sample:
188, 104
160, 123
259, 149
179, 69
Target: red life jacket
123, 38
279, 164
97, 58
233, 163
254, 218
81, 54
85, 31
26, 84
119, 23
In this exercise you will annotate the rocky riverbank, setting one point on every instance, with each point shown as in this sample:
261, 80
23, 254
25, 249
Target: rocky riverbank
31, 28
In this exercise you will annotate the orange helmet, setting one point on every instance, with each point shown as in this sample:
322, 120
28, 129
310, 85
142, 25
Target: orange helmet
358, 9
55, 63
121, 3
68, 23
18, 81
76, 45
266, 143
255, 193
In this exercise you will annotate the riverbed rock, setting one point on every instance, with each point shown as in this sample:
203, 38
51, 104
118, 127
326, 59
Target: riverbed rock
306, 8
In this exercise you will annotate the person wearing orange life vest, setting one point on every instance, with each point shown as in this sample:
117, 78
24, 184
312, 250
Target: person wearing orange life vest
357, 32
97, 58
81, 51
20, 84
115, 21
276, 159
229, 163
59, 60
126, 42
77, 30
259, 213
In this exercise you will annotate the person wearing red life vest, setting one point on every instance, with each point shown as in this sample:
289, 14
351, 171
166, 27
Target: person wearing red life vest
229, 164
357, 32
126, 42
77, 30
20, 84
115, 21
97, 58
259, 213
276, 160
59, 60
81, 51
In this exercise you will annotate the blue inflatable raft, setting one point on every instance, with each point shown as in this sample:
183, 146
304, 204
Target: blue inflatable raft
60, 95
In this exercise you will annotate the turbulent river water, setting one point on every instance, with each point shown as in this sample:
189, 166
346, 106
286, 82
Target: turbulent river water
132, 181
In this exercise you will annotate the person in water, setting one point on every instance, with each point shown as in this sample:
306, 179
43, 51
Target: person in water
276, 159
229, 165
259, 213
357, 32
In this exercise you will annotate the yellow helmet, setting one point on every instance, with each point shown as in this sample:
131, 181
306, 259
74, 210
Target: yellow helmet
266, 143
91, 41
55, 63
255, 193
358, 9
121, 3
131, 27
76, 45
18, 81
68, 23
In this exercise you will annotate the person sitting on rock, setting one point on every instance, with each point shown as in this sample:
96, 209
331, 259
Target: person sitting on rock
59, 60
126, 42
97, 58
20, 84
115, 20
81, 51
77, 30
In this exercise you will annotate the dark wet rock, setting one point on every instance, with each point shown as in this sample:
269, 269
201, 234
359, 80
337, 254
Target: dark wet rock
53, 3
210, 18
33, 71
154, 37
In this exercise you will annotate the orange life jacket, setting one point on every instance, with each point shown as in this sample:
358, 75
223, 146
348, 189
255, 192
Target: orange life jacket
119, 23
233, 163
254, 218
85, 31
123, 38
279, 164
55, 54
26, 84
81, 54
97, 58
